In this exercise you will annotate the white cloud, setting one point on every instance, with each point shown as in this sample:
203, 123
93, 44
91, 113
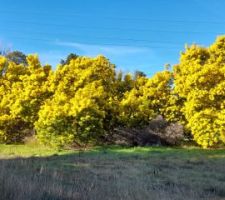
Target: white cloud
92, 49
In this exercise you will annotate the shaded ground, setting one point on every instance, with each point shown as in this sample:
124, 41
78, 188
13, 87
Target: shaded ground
115, 173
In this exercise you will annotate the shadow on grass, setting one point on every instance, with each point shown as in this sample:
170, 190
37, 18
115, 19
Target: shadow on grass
115, 173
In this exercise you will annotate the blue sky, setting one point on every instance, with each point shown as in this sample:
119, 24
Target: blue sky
134, 34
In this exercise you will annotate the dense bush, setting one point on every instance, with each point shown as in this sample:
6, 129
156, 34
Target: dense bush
80, 106
200, 80
86, 100
23, 89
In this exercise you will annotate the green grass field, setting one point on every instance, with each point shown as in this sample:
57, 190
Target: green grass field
39, 173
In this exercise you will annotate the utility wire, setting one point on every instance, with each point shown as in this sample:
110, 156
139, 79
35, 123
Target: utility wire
104, 38
26, 22
57, 42
69, 14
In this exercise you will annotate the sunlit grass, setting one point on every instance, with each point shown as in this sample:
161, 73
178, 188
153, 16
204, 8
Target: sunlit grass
43, 151
28, 150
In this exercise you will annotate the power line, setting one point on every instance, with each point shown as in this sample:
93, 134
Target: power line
106, 38
57, 42
109, 28
69, 14
147, 42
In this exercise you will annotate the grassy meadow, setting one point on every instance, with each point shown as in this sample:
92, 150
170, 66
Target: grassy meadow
40, 173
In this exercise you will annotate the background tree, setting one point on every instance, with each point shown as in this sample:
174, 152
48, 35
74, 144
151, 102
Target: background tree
70, 57
17, 57
138, 74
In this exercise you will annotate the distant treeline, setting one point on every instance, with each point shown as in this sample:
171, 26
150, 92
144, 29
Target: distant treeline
84, 99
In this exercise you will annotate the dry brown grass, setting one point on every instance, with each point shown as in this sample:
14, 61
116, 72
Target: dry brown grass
154, 173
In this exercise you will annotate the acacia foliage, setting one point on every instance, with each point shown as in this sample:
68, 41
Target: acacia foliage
23, 88
79, 109
84, 99
147, 99
200, 80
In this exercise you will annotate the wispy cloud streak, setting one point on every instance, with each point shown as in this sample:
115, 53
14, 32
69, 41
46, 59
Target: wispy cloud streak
93, 49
